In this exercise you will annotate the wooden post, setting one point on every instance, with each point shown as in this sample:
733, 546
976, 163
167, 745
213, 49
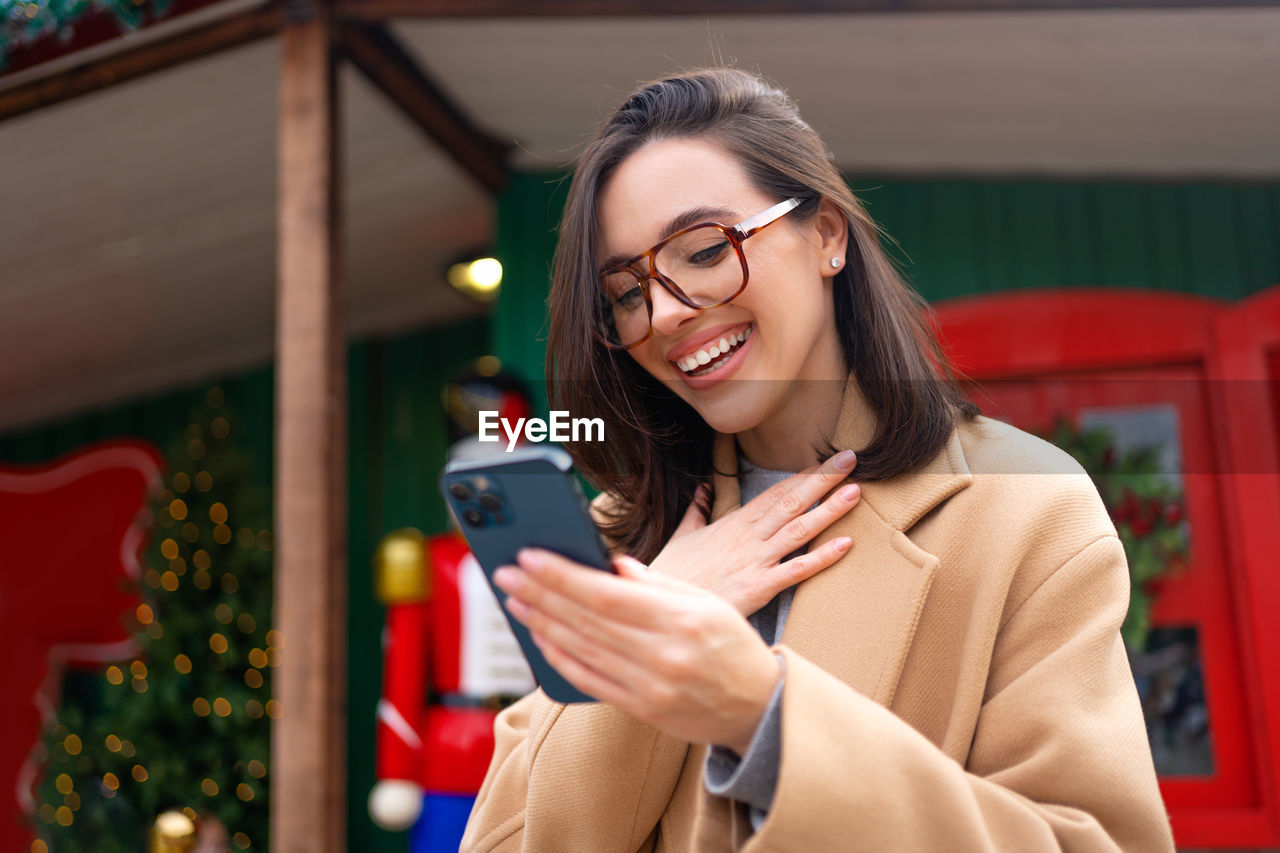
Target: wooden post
308, 747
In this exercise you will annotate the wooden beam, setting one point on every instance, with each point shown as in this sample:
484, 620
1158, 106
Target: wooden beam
133, 62
391, 68
308, 745
370, 10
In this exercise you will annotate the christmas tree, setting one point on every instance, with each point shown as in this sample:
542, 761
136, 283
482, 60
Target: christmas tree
185, 724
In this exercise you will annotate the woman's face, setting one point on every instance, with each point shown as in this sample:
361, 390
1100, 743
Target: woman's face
785, 316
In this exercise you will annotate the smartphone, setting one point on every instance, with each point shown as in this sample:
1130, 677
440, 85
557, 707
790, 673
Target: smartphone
526, 498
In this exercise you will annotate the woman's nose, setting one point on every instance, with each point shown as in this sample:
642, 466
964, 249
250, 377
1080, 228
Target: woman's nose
669, 313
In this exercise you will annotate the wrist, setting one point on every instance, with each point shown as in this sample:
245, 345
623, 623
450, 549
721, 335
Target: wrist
760, 692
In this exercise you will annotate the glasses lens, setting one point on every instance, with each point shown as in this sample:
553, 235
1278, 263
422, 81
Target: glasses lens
623, 313
702, 263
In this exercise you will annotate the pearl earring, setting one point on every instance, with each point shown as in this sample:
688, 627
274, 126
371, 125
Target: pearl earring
835, 263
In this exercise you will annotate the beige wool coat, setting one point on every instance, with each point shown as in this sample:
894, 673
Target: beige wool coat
955, 682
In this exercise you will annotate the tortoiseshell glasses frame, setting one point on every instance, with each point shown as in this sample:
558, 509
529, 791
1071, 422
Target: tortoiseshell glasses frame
642, 267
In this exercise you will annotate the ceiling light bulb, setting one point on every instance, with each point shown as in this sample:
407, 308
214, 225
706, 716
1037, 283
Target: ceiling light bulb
486, 273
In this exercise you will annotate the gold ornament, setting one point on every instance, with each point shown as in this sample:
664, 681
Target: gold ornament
400, 567
172, 832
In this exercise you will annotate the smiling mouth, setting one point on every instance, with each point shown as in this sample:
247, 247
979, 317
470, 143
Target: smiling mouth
712, 357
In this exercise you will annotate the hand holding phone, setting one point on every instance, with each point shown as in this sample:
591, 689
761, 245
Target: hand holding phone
526, 498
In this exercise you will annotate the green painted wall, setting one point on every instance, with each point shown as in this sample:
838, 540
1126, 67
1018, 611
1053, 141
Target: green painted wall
528, 214
967, 237
157, 419
397, 443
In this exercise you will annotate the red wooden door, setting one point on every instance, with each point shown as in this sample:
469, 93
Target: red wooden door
1247, 379
1145, 365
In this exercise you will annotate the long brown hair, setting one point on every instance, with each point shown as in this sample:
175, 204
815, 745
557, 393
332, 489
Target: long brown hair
658, 448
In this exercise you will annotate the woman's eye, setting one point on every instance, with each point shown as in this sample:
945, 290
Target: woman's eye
629, 299
710, 255
622, 291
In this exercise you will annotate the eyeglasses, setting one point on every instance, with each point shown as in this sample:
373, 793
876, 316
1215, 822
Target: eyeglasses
701, 258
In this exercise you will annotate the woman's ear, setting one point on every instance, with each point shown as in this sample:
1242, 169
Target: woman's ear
833, 235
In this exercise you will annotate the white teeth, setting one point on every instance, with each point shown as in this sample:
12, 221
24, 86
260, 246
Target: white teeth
705, 356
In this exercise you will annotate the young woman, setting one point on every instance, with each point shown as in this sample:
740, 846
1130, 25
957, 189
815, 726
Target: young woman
925, 659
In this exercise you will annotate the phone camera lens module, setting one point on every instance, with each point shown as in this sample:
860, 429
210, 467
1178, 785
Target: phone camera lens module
461, 491
473, 517
491, 502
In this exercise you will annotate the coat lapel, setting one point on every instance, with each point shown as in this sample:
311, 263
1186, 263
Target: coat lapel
857, 619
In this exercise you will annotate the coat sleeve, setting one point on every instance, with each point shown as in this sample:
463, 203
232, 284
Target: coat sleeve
1059, 759
573, 777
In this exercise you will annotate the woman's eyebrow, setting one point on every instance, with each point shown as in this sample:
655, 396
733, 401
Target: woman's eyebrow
684, 219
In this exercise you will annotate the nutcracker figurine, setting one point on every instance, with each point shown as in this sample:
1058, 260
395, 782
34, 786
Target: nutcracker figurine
450, 662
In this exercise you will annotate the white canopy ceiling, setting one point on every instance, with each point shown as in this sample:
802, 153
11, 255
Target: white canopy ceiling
137, 233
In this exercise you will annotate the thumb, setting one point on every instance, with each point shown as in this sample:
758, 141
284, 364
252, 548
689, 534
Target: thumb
629, 567
694, 517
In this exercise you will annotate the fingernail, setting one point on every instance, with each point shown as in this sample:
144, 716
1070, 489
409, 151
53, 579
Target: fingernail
632, 564
844, 460
849, 493
506, 578
530, 558
844, 543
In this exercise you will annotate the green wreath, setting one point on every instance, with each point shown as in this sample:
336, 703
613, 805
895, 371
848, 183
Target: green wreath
1147, 507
